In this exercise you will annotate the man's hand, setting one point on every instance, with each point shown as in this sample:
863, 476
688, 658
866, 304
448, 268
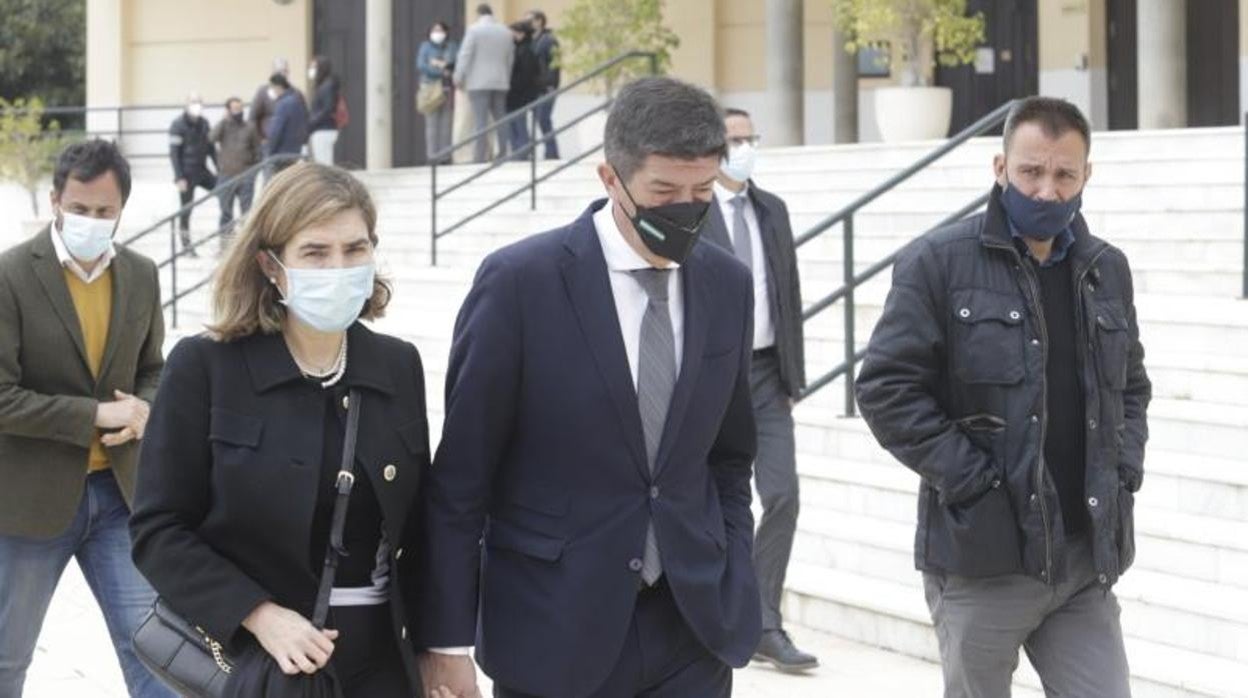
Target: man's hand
448, 675
183, 185
128, 413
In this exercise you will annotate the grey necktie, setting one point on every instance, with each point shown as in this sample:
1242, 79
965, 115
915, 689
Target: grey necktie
656, 379
741, 243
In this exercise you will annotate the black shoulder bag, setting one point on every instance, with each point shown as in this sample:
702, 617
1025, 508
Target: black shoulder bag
183, 656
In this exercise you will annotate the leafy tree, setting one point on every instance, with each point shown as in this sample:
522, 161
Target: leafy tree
28, 149
922, 27
596, 31
43, 51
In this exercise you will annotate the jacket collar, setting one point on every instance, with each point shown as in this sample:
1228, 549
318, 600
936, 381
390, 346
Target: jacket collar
996, 233
271, 365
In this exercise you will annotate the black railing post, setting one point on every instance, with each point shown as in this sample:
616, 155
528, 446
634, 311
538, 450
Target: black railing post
850, 310
173, 269
433, 214
654, 64
533, 161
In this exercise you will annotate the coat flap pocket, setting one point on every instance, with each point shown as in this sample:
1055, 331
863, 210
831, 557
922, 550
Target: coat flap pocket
233, 428
978, 305
1111, 317
542, 499
413, 436
509, 537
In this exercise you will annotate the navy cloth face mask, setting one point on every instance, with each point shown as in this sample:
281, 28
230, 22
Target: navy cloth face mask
668, 231
1041, 220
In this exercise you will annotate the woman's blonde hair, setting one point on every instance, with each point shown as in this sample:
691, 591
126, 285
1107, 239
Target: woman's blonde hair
306, 194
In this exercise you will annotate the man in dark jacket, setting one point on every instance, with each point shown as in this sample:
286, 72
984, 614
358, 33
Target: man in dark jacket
288, 131
1007, 371
546, 46
264, 102
754, 225
189, 150
525, 88
238, 148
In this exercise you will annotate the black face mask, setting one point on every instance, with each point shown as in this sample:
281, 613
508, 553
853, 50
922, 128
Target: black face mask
671, 230
237, 117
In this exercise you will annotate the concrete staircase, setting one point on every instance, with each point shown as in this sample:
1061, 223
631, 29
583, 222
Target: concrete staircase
1173, 200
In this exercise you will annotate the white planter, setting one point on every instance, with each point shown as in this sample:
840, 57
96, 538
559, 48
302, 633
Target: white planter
913, 113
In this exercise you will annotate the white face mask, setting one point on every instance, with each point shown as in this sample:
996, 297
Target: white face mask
312, 74
195, 109
437, 37
739, 165
328, 300
86, 238
272, 93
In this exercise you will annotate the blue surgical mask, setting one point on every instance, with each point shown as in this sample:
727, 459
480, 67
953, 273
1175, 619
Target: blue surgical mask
739, 165
328, 300
1041, 220
86, 238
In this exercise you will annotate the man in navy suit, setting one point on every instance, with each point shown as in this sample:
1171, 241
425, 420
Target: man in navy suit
589, 525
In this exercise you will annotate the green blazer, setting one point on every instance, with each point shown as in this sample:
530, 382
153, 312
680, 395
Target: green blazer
48, 396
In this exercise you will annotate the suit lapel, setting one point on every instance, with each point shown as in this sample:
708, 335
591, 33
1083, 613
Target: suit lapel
121, 270
589, 290
51, 276
697, 321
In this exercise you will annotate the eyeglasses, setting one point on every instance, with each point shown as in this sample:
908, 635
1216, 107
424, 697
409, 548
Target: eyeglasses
753, 140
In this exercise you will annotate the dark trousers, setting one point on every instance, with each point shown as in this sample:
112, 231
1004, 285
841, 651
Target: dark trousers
661, 658
366, 654
544, 123
775, 474
242, 190
202, 180
518, 131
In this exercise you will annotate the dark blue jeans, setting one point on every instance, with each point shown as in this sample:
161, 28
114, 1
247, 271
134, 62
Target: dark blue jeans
545, 126
30, 569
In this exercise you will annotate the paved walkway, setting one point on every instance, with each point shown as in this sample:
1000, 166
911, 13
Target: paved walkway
75, 659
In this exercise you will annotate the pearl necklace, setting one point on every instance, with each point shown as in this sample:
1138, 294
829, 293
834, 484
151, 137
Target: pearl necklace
336, 371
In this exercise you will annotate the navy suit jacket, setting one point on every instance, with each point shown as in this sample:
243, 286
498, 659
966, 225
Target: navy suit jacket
540, 495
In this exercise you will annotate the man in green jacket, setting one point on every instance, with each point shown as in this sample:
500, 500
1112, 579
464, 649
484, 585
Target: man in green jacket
80, 358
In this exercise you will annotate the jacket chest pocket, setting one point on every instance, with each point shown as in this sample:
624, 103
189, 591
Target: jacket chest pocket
1112, 341
987, 337
235, 437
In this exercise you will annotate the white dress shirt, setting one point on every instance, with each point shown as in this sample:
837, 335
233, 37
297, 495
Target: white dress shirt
67, 260
630, 307
630, 297
764, 327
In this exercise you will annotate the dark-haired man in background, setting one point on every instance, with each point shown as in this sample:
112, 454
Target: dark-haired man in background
1007, 371
599, 437
80, 358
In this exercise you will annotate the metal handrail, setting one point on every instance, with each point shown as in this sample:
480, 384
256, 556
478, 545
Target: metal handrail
175, 253
530, 150
853, 280
118, 132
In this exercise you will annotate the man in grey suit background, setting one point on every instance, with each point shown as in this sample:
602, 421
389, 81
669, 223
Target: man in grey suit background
754, 225
483, 68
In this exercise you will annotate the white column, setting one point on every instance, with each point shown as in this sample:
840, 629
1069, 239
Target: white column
105, 62
785, 123
380, 84
1162, 63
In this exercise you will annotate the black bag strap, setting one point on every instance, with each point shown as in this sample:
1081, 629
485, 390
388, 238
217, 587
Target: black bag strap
344, 482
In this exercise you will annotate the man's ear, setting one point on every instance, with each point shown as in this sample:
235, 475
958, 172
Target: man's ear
999, 169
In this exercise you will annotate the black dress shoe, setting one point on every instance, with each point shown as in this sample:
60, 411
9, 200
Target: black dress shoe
777, 649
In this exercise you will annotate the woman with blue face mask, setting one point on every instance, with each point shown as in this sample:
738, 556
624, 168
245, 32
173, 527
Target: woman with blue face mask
248, 458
